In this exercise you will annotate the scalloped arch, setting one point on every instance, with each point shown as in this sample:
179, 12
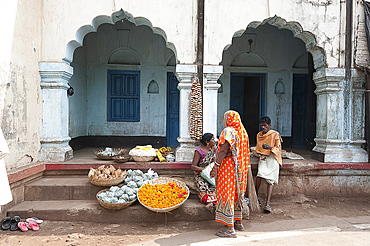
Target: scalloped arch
120, 15
308, 38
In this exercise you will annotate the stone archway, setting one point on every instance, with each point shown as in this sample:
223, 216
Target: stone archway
331, 128
55, 77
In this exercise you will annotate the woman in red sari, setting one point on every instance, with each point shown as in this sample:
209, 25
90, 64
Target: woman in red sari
231, 168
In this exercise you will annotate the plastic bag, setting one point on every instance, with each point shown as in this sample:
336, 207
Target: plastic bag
206, 174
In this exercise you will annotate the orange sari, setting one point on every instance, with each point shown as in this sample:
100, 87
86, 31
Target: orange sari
232, 173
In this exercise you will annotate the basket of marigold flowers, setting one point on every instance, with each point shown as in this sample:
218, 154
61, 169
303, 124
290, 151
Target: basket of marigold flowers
163, 194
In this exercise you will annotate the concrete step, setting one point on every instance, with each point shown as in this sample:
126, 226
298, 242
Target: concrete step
75, 187
91, 211
50, 188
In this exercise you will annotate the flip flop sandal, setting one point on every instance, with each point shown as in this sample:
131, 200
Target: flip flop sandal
23, 226
34, 219
32, 225
239, 227
5, 223
267, 208
14, 223
226, 234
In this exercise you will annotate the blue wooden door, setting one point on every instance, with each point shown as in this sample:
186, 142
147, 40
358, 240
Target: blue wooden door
299, 106
247, 96
173, 104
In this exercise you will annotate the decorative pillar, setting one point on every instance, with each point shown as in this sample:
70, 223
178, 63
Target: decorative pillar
54, 79
185, 151
210, 89
332, 141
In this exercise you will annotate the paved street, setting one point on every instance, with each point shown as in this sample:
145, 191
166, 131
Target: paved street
294, 221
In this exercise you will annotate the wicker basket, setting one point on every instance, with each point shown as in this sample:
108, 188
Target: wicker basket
122, 158
109, 182
143, 158
163, 180
115, 206
104, 157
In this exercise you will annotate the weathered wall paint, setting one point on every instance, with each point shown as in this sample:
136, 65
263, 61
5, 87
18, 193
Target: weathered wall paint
22, 114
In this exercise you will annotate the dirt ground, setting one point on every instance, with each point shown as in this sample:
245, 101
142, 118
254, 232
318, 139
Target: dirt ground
288, 214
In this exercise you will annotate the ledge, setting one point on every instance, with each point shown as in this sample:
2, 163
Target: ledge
29, 170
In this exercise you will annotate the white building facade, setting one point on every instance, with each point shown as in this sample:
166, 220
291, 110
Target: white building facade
284, 59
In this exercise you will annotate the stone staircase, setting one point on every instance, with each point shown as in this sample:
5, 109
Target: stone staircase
72, 198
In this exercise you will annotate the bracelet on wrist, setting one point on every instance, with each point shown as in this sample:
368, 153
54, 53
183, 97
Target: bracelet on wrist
217, 164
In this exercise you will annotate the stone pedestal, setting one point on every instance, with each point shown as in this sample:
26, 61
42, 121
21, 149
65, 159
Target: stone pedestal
54, 133
210, 89
185, 151
339, 139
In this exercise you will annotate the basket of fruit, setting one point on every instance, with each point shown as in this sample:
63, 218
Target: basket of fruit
163, 194
106, 176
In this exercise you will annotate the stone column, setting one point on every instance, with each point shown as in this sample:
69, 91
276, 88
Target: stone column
210, 89
332, 142
185, 74
54, 77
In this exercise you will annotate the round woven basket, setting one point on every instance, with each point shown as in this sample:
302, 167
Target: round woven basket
122, 158
164, 180
108, 182
143, 158
115, 206
104, 157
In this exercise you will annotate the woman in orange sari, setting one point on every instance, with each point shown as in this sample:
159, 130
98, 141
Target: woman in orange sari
231, 168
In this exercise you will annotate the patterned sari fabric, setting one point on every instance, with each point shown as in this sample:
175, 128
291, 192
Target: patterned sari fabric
207, 192
232, 173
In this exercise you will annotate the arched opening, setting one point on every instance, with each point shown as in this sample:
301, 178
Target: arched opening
113, 59
268, 71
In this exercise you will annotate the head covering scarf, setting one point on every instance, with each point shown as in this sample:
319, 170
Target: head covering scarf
232, 174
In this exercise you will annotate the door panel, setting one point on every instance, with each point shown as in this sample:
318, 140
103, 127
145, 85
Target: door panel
251, 109
247, 98
299, 110
173, 105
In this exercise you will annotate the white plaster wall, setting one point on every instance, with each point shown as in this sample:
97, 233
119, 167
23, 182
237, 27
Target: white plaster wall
22, 114
63, 18
322, 18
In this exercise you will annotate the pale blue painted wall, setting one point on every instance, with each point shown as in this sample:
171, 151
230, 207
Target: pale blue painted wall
88, 108
279, 49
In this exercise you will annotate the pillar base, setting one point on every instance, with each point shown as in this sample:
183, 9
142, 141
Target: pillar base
55, 151
185, 151
339, 152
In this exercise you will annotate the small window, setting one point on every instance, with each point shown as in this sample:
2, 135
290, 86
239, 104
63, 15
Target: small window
123, 95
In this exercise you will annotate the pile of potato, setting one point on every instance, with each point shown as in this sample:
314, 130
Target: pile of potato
104, 173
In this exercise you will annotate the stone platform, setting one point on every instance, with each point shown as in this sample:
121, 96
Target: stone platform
61, 191
72, 198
